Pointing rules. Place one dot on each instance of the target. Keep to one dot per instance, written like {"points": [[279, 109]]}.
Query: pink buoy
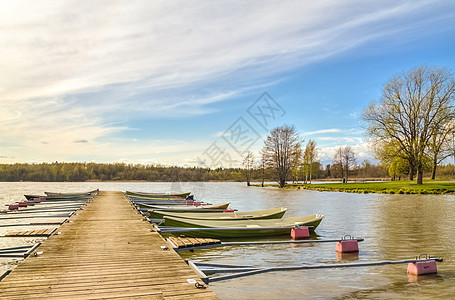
{"points": [[13, 206], [22, 204], [346, 245], [422, 266], [300, 233]]}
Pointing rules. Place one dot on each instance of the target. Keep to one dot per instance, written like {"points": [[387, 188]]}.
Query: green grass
{"points": [[386, 187]]}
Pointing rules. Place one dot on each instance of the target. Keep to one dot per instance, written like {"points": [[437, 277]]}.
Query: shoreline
{"points": [[387, 187]]}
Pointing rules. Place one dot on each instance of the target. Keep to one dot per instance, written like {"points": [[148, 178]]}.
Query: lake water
{"points": [[395, 227]]}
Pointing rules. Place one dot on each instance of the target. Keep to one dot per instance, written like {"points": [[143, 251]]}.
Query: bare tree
{"points": [[441, 146], [413, 107], [310, 156], [248, 164], [279, 147], [345, 158], [263, 165]]}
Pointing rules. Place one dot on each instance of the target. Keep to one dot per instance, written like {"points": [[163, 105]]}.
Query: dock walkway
{"points": [[106, 251]]}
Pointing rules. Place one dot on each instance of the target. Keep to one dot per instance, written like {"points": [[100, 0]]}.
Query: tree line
{"points": [[60, 172]]}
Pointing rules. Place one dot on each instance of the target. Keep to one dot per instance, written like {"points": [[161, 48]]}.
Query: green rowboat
{"points": [[272, 213], [240, 228], [158, 195], [185, 208], [83, 194]]}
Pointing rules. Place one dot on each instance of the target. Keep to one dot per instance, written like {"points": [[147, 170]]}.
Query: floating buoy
{"points": [[422, 266], [22, 204], [13, 206], [347, 244], [300, 233]]}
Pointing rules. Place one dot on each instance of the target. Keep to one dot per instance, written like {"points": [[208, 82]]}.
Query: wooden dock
{"points": [[105, 251]]}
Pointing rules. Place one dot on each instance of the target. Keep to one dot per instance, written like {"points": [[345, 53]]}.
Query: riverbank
{"points": [[388, 187]]}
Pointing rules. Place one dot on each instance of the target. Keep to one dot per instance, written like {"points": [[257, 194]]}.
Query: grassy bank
{"points": [[388, 187]]}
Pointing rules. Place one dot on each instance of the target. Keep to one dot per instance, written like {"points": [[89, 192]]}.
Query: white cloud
{"points": [[361, 152], [323, 131]]}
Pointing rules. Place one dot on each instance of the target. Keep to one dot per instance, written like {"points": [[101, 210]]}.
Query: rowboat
{"points": [[57, 194], [158, 195], [164, 201], [29, 197], [185, 208], [241, 228], [159, 202], [155, 198], [272, 213]]}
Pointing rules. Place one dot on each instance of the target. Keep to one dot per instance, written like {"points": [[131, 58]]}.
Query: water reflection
{"points": [[422, 278], [415, 224], [347, 257]]}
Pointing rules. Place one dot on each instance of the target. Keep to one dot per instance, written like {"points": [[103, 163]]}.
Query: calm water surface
{"points": [[395, 227]]}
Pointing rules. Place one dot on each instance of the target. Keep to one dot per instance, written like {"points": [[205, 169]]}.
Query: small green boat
{"points": [[185, 208], [82, 194], [29, 197], [158, 195], [151, 198], [240, 228], [272, 213], [161, 201]]}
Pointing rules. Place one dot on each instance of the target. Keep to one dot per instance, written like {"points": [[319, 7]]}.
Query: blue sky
{"points": [[167, 81]]}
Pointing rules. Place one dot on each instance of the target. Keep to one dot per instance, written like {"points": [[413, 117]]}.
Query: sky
{"points": [[198, 83]]}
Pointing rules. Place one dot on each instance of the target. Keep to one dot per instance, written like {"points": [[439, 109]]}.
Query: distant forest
{"points": [[124, 172], [112, 172]]}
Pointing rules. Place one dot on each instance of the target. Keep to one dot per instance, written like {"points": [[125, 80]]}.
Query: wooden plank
{"points": [[185, 241], [29, 233], [103, 255]]}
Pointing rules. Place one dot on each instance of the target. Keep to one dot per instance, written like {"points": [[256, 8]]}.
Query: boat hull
{"points": [[237, 233], [276, 213]]}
